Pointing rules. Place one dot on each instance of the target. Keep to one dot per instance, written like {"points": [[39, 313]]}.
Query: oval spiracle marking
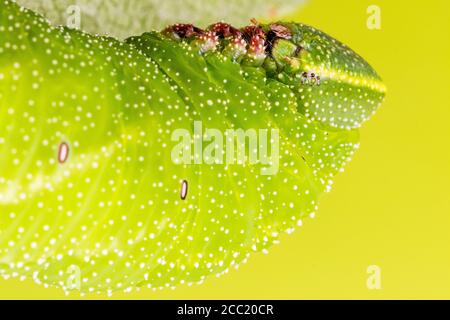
{"points": [[63, 152], [184, 190]]}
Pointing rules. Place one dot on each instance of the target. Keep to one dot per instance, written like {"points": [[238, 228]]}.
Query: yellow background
{"points": [[391, 207]]}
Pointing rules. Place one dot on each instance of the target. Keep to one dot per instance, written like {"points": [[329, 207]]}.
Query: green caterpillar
{"points": [[90, 197]]}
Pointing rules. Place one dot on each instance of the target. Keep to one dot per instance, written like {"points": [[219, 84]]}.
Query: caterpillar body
{"points": [[86, 123]]}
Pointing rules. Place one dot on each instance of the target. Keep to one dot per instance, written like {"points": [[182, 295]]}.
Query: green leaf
{"points": [[122, 19]]}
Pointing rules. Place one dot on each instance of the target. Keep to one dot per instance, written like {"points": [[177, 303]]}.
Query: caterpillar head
{"points": [[334, 85]]}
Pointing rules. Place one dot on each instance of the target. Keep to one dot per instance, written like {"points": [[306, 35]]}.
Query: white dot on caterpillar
{"points": [[63, 152], [184, 189]]}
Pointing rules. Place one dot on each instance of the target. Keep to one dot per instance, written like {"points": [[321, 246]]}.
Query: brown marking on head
{"points": [[183, 30], [276, 31], [280, 31], [250, 32], [224, 30]]}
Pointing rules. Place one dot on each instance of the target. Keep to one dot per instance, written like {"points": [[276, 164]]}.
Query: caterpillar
{"points": [[91, 199]]}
